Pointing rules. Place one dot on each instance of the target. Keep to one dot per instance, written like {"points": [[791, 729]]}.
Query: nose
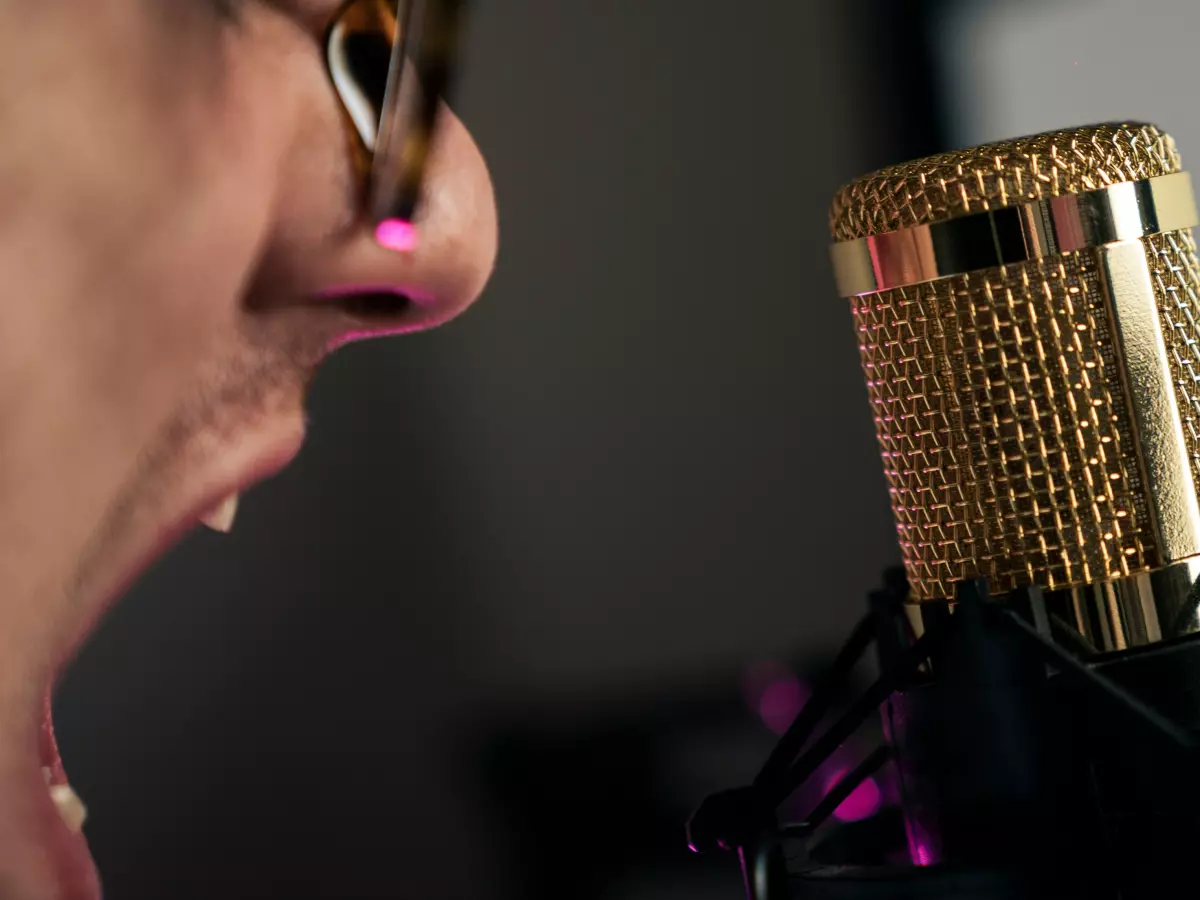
{"points": [[325, 248], [321, 245], [456, 239]]}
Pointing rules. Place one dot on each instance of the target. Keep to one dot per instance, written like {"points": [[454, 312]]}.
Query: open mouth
{"points": [[50, 814], [62, 833], [220, 465]]}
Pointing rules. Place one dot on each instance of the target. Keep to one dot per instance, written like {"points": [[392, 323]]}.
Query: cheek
{"points": [[147, 364], [318, 195], [319, 191], [282, 131]]}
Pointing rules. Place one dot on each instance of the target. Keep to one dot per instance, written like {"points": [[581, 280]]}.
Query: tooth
{"points": [[70, 807], [220, 518]]}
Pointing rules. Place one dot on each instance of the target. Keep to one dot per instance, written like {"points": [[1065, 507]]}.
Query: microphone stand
{"points": [[987, 720]]}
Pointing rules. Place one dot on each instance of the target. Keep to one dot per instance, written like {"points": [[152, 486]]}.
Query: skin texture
{"points": [[180, 227]]}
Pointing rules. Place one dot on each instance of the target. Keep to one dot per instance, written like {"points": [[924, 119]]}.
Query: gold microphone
{"points": [[1028, 315]]}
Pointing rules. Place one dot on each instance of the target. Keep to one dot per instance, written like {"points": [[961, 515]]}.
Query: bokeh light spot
{"points": [[864, 801]]}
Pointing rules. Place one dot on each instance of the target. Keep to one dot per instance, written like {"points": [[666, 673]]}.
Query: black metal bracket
{"points": [[744, 820]]}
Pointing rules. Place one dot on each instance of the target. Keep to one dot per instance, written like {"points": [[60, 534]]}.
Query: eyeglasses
{"points": [[391, 63]]}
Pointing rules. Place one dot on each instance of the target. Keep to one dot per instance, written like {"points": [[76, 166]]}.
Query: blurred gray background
{"points": [[488, 637]]}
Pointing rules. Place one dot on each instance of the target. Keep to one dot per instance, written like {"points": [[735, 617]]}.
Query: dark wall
{"points": [[644, 461], [667, 453]]}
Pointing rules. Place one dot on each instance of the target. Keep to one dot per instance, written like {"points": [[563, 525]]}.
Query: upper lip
{"points": [[245, 463]]}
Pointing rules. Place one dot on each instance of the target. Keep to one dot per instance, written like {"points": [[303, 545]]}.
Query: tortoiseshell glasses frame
{"points": [[392, 62]]}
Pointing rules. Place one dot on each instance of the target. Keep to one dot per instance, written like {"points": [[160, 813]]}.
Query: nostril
{"points": [[376, 306]]}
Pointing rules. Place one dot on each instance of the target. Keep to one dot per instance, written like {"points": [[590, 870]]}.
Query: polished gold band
{"points": [[1131, 612], [1128, 613], [1015, 234]]}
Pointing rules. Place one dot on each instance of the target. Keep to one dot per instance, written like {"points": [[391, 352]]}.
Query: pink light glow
{"points": [[773, 691], [864, 801], [921, 849], [398, 235], [780, 703]]}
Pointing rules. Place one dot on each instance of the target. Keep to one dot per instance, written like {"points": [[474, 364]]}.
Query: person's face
{"points": [[181, 240]]}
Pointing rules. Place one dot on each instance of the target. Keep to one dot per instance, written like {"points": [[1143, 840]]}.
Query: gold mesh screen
{"points": [[1006, 443], [1176, 278], [998, 175]]}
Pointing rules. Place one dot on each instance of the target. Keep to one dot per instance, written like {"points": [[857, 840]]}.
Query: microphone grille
{"points": [[997, 175], [1012, 444]]}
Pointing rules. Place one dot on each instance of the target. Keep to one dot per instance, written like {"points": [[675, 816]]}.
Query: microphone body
{"points": [[1028, 317], [1030, 333]]}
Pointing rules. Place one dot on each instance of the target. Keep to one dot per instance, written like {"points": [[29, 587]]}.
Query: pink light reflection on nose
{"points": [[864, 801], [396, 234]]}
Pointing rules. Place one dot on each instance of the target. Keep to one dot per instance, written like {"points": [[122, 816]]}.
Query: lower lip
{"points": [[67, 850], [50, 758]]}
